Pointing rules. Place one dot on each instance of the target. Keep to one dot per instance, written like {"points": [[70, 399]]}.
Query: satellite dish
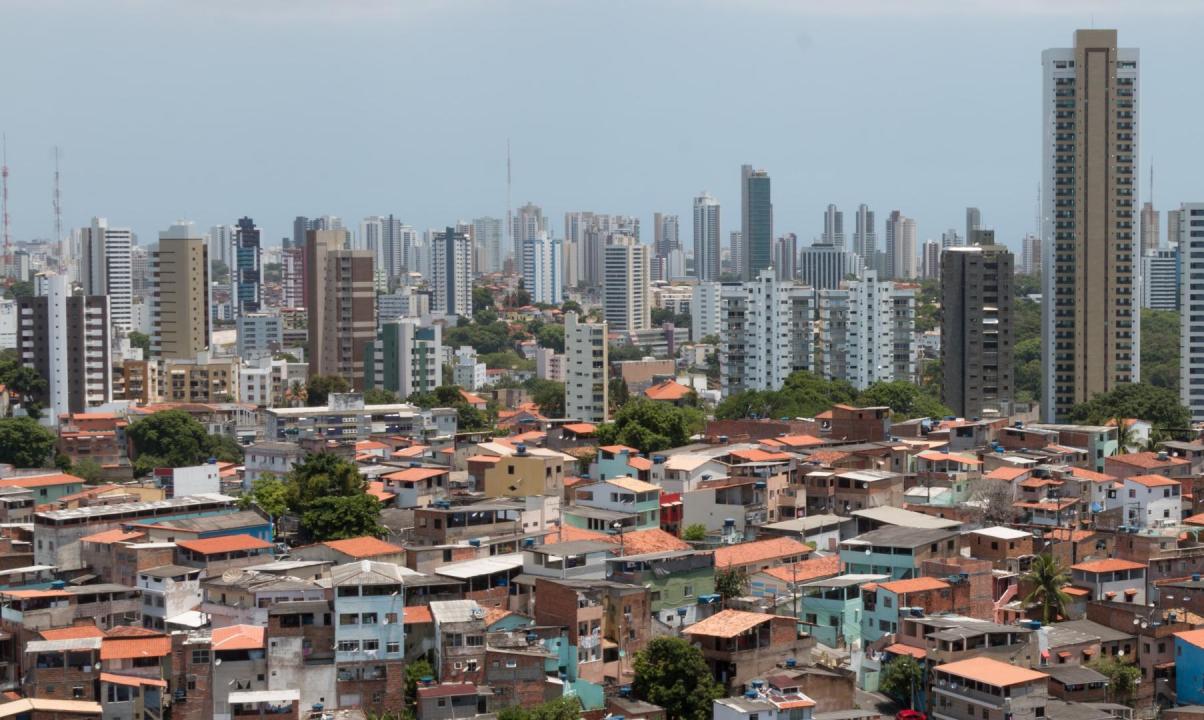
{"points": [[217, 661], [230, 576]]}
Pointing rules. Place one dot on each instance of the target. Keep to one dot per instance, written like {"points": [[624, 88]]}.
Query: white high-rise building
{"points": [[625, 297], [867, 332], [106, 269], [706, 237], [823, 266], [900, 246], [765, 332], [587, 370], [542, 265], [467, 371], [1191, 308], [221, 244], [529, 221], [865, 239], [1030, 255], [451, 265], [666, 239], [833, 228], [950, 239], [1160, 279], [487, 235], [705, 304]]}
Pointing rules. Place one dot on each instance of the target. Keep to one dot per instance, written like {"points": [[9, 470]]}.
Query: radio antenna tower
{"points": [[8, 239], [58, 208], [509, 211]]}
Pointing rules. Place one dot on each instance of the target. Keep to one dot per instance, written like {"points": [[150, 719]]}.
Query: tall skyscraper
{"points": [[247, 268], [1160, 279], [1173, 228], [1149, 228], [542, 265], [65, 338], [865, 240], [867, 332], [1091, 327], [950, 239], [785, 257], [833, 227], [181, 315], [1030, 255], [735, 249], [341, 306], [765, 333], [706, 237], [665, 239], [292, 275], [106, 268], [221, 245], [930, 263], [625, 297], [487, 234], [824, 266], [451, 268], [976, 330], [529, 221], [1191, 308], [900, 246], [587, 370], [973, 221], [756, 222]]}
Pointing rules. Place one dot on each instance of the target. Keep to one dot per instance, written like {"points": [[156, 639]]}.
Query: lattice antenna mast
{"points": [[58, 207], [8, 238]]}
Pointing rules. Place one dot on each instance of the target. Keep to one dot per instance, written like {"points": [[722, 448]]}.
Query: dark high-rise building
{"points": [[756, 222], [976, 328], [248, 272], [341, 305]]}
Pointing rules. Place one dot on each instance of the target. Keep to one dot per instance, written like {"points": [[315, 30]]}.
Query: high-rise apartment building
{"points": [[706, 237], [542, 265], [66, 339], [1030, 255], [900, 246], [487, 234], [106, 268], [1191, 307], [833, 227], [292, 275], [823, 266], [340, 304], [756, 222], [529, 221], [973, 221], [735, 249], [976, 330], [666, 238], [705, 304], [247, 268], [865, 239], [867, 332], [950, 238], [451, 268], [1160, 279], [181, 314], [765, 333], [405, 358], [785, 257], [587, 370], [1091, 326], [625, 300], [1149, 228], [930, 260]]}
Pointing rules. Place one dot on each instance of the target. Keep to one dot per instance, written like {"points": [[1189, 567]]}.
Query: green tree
{"points": [[1159, 406], [24, 443], [140, 340], [619, 393], [88, 470], [1122, 678], [567, 707], [19, 289], [482, 299], [1160, 348], [904, 399], [173, 438], [618, 353], [380, 396], [696, 532], [319, 388], [272, 272], [1026, 358], [342, 517], [901, 678], [673, 674], [569, 306], [285, 356], [1025, 285], [1047, 579], [651, 426], [26, 382], [549, 396], [322, 475], [802, 395], [551, 337], [731, 583], [269, 494], [415, 672]]}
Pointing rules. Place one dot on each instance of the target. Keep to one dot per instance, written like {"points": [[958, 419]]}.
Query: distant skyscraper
{"points": [[824, 266], [785, 257], [106, 268], [666, 239], [542, 265], [528, 223], [976, 330], [865, 240], [1191, 308], [487, 234], [292, 275], [221, 245], [833, 227], [341, 306], [587, 370], [765, 333], [1149, 227], [451, 267], [900, 246], [1173, 228], [247, 268], [735, 248], [625, 295], [950, 239], [973, 221], [756, 222], [181, 315], [1030, 255], [1160, 279], [706, 237], [930, 265], [1091, 327]]}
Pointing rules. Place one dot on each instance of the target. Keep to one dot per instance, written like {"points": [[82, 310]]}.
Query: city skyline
{"points": [[295, 158]]}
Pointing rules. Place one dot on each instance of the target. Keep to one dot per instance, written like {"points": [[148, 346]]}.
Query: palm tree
{"points": [[296, 394], [1047, 578]]}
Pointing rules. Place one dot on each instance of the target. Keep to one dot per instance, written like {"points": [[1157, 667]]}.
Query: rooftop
{"points": [[759, 551], [904, 518], [1108, 565], [919, 584], [238, 637], [728, 623], [895, 536], [363, 547], [992, 672], [135, 508], [224, 544]]}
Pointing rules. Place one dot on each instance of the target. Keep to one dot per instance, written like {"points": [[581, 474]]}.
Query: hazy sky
{"points": [[217, 109]]}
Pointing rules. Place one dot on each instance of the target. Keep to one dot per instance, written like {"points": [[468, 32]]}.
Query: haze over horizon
{"points": [[213, 111]]}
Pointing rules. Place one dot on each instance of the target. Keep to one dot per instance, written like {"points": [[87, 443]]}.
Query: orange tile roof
{"points": [[1192, 637], [130, 680], [1093, 476], [418, 474], [669, 390], [224, 544], [493, 614], [1039, 482], [1194, 520], [132, 648], [411, 452], [568, 533], [472, 398], [1108, 565], [72, 633], [1008, 473], [363, 547], [800, 440], [827, 457], [618, 449], [1051, 505], [115, 535], [651, 540], [755, 455], [581, 428], [936, 456], [919, 584], [758, 550], [1145, 460], [901, 649], [377, 490], [728, 623], [992, 672], [807, 570], [362, 445], [639, 463], [484, 458], [32, 481], [1071, 590], [128, 631], [416, 615], [1064, 534], [31, 594], [1152, 481], [238, 637]]}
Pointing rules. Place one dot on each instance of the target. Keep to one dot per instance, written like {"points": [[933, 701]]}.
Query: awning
{"points": [[1130, 591], [1064, 654], [268, 696]]}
